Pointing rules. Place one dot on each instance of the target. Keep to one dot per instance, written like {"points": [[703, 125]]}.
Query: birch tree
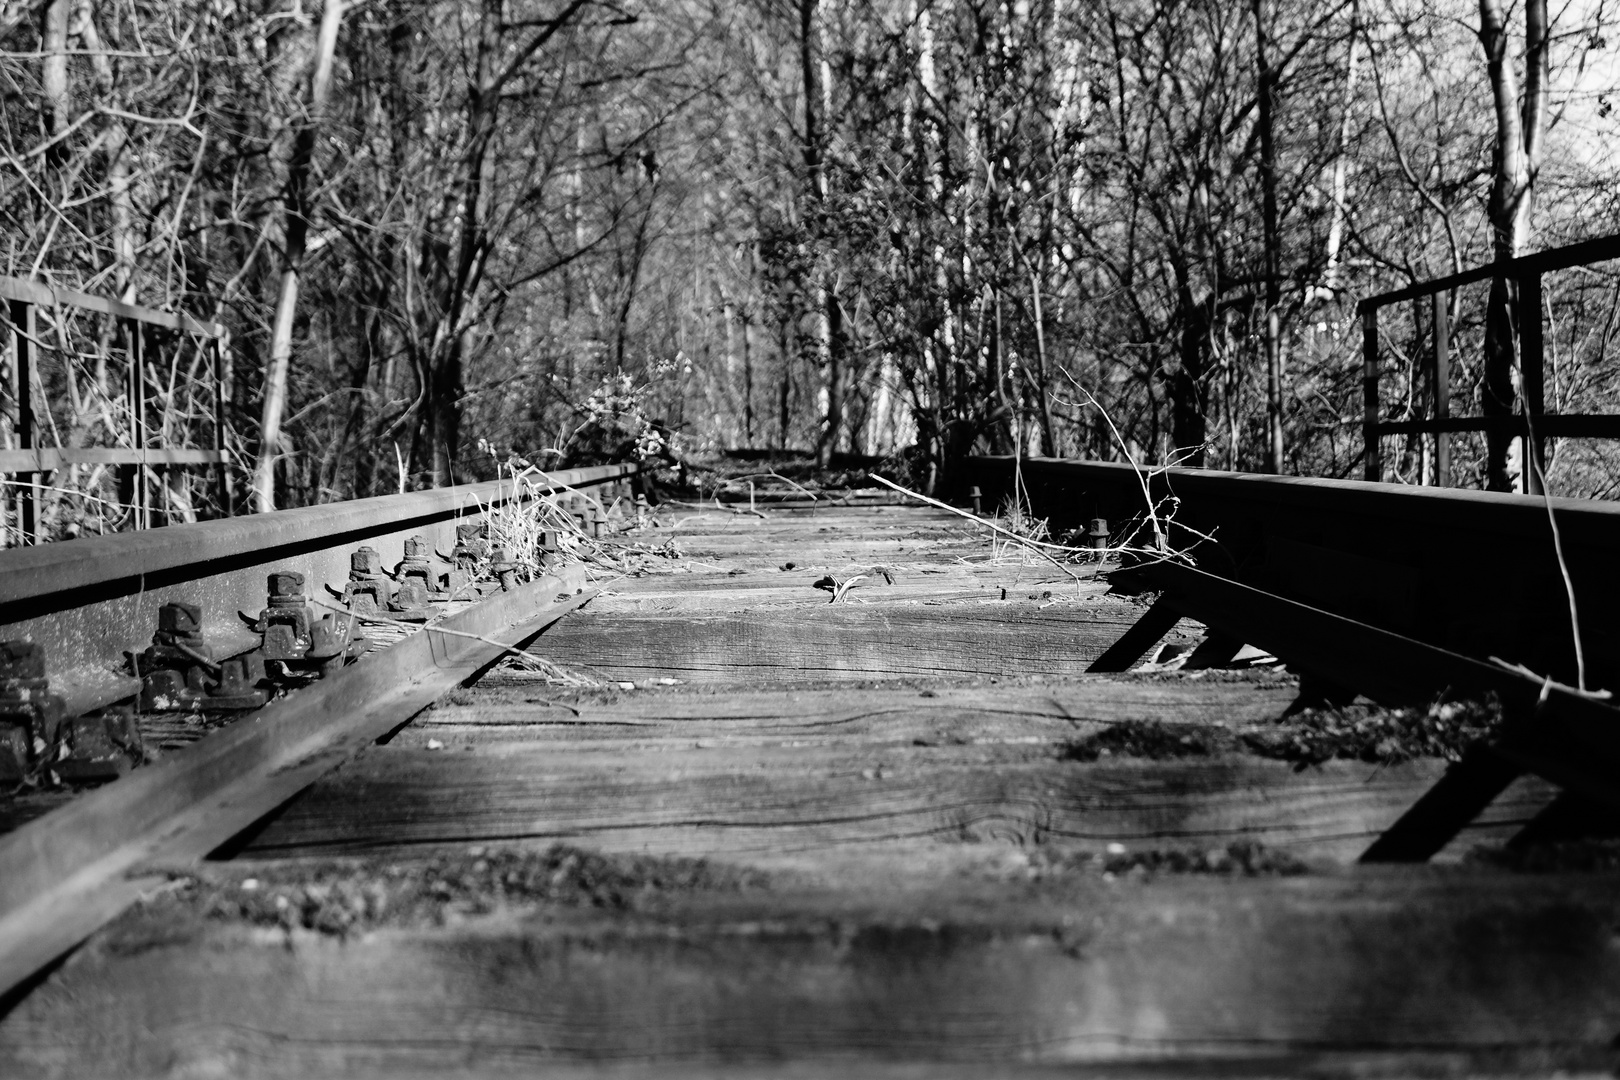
{"points": [[295, 235], [1520, 132]]}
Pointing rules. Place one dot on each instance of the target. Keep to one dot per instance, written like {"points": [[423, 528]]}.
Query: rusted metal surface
{"points": [[1599, 249], [1424, 562], [92, 601], [1496, 516], [1533, 427], [67, 873]]}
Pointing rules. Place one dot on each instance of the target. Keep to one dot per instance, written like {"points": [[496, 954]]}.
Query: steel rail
{"points": [[1404, 594], [1454, 508], [92, 600], [1470, 571], [66, 874]]}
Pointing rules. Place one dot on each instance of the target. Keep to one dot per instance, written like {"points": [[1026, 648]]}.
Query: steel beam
{"points": [[92, 600], [66, 874]]}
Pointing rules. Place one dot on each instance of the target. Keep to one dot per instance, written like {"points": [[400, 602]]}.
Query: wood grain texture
{"points": [[841, 641], [753, 802], [750, 592], [1048, 712], [1456, 966], [923, 913]]}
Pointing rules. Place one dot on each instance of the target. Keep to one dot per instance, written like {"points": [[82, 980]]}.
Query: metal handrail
{"points": [[1532, 426], [30, 461]]}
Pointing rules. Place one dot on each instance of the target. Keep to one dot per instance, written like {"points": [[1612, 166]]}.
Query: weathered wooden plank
{"points": [[745, 554], [914, 583], [758, 801], [807, 519], [1044, 713], [843, 641], [1464, 968]]}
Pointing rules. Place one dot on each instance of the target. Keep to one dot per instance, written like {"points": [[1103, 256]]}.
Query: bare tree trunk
{"points": [[297, 232], [1341, 160], [1517, 158], [122, 202], [830, 322], [1273, 244], [53, 75], [748, 383]]}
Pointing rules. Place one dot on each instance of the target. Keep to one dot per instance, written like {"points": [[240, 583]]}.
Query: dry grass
{"points": [[518, 527], [527, 666]]}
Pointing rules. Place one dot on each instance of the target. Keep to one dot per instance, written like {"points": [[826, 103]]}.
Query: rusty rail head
{"points": [[1475, 572], [89, 601], [50, 576], [1351, 505]]}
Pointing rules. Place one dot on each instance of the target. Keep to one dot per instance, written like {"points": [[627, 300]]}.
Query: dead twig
{"points": [[1037, 546]]}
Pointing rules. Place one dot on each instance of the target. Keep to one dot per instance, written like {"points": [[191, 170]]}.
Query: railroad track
{"points": [[850, 794], [109, 636]]}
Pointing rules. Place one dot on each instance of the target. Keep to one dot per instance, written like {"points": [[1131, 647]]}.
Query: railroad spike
{"points": [[505, 570], [1098, 534], [179, 672], [37, 736], [31, 717], [285, 620], [416, 595], [470, 553], [295, 638], [369, 589]]}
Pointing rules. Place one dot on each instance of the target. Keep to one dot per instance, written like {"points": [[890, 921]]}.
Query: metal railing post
{"points": [[222, 470], [1441, 324], [1372, 464], [23, 336], [137, 425]]}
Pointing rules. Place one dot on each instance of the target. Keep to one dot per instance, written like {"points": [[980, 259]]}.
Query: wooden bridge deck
{"points": [[838, 839]]}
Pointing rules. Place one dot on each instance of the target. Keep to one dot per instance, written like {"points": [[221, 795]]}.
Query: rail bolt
{"points": [[238, 682], [367, 562], [415, 566], [31, 717], [504, 569], [417, 587], [471, 547], [286, 618], [286, 587], [179, 621]]}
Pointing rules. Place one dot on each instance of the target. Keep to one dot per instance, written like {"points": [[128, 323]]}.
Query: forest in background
{"points": [[444, 232]]}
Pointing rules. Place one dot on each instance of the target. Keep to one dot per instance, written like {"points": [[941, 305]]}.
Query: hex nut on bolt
{"points": [[367, 562], [286, 585]]}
